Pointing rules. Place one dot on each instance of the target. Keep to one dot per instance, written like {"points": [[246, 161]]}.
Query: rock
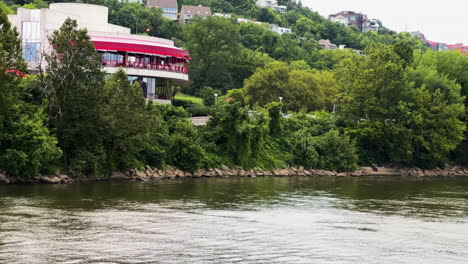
{"points": [[198, 174], [14, 180], [259, 172], [148, 171], [211, 173], [283, 172], [64, 178], [4, 179], [119, 176], [50, 180], [219, 172], [157, 173], [141, 174]]}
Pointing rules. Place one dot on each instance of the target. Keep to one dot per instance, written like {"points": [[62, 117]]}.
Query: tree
{"points": [[245, 64], [267, 84], [267, 15], [72, 85], [410, 116], [208, 95], [26, 146], [299, 86], [125, 118], [213, 44], [241, 137]]}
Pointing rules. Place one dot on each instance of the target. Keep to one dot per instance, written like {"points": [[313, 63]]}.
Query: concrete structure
{"points": [[272, 27], [155, 63], [283, 30], [187, 13], [327, 45], [169, 7], [222, 15], [372, 25], [273, 4]]}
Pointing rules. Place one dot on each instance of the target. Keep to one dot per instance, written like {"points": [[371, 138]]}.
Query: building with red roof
{"points": [[156, 63]]}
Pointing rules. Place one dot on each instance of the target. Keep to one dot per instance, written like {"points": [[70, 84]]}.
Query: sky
{"points": [[441, 21]]}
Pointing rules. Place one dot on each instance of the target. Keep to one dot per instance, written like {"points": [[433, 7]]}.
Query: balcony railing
{"points": [[147, 66]]}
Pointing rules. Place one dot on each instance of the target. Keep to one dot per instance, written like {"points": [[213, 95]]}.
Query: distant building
{"points": [[169, 7], [272, 27], [222, 15], [282, 30], [438, 46], [372, 25], [187, 13], [327, 45], [273, 4], [350, 18]]}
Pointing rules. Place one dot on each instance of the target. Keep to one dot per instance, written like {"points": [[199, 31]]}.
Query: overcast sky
{"points": [[441, 21]]}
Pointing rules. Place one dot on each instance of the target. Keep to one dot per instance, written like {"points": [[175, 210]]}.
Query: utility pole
{"points": [[136, 25]]}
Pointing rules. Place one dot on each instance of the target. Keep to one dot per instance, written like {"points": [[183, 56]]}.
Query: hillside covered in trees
{"points": [[397, 104]]}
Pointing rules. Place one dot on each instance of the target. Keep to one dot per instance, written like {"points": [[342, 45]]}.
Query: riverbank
{"points": [[152, 174]]}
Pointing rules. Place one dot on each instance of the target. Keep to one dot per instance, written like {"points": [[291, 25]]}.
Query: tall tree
{"points": [[26, 146], [126, 121], [400, 115], [213, 44], [73, 84]]}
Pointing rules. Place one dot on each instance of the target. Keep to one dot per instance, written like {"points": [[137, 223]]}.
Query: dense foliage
{"points": [[26, 145], [281, 100]]}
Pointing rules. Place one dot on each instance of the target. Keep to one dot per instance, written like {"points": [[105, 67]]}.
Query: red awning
{"points": [[141, 48]]}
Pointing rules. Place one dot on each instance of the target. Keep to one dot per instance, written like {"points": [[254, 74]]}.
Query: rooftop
{"points": [[162, 3], [198, 10]]}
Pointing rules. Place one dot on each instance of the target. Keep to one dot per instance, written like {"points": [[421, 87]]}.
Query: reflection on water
{"points": [[244, 220]]}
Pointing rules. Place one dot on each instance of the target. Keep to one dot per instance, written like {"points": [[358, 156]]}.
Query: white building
{"points": [[222, 15], [272, 27], [154, 62], [283, 30], [273, 4]]}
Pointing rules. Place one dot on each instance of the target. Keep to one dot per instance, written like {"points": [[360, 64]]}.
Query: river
{"points": [[238, 220]]}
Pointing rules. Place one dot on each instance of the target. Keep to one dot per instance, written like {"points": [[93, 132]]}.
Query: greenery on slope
{"points": [[399, 104]]}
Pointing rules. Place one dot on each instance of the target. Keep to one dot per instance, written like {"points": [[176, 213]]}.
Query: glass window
{"points": [[170, 15], [31, 51], [170, 9], [31, 31]]}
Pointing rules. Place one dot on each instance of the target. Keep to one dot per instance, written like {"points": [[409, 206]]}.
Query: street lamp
{"points": [[216, 98], [281, 100]]}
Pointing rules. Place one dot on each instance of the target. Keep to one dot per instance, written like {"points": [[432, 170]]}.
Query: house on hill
{"points": [[187, 13], [169, 7]]}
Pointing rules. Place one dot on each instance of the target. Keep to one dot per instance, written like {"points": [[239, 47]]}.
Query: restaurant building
{"points": [[155, 63]]}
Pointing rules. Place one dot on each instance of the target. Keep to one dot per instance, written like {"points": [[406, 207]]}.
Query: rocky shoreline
{"points": [[151, 174]]}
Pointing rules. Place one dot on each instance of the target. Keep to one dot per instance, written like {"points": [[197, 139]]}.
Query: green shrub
{"points": [[330, 151], [181, 102], [198, 110]]}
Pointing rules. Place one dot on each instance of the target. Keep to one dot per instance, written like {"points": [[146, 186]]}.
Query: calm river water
{"points": [[239, 220]]}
